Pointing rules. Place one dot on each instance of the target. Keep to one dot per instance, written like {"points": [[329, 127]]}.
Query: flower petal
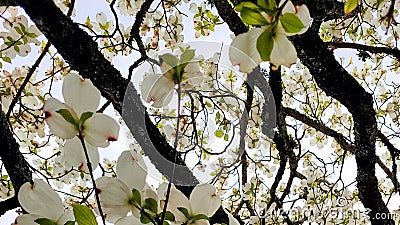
{"points": [[80, 94], [128, 220], [27, 219], [68, 215], [176, 199], [204, 200], [243, 50], [100, 129], [40, 199], [301, 12], [75, 157], [157, 90], [289, 7], [57, 124], [132, 170], [232, 220], [283, 53], [114, 197], [304, 15]]}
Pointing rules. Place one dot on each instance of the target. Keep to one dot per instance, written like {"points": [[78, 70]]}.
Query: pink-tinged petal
{"points": [[80, 94], [283, 53], [204, 200], [114, 197], [301, 12], [132, 170], [75, 157], [128, 220], [100, 129], [57, 124], [157, 90], [176, 199], [243, 50], [27, 219], [40, 199]]}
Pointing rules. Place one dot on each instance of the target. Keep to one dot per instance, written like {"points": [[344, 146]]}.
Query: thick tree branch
{"points": [[8, 204], [8, 3], [82, 53], [372, 49], [333, 79], [14, 162]]}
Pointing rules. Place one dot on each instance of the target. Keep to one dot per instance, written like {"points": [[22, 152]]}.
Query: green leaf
{"points": [[31, 35], [291, 23], [84, 215], [151, 205], [199, 217], [6, 59], [45, 221], [350, 5], [19, 31], [248, 5], [218, 133], [184, 211], [265, 44], [187, 56], [252, 17], [169, 59], [66, 114], [169, 216], [69, 223], [267, 4], [144, 218], [226, 137], [136, 197], [85, 116], [218, 116]]}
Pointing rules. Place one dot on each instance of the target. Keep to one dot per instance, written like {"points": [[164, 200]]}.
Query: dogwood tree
{"points": [[211, 112]]}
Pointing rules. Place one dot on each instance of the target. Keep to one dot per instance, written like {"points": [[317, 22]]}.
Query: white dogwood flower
{"points": [[78, 113], [270, 42], [42, 202]]}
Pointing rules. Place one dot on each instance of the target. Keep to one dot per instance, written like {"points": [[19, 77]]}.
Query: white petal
{"points": [[57, 124], [204, 200], [289, 7], [80, 94], [128, 220], [40, 199], [27, 219], [114, 197], [176, 199], [304, 15], [157, 89], [232, 220], [131, 169], [243, 50], [68, 215], [100, 129], [75, 157], [283, 53], [201, 222]]}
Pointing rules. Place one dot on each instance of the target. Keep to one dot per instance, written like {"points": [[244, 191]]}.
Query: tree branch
{"points": [[372, 49], [14, 162], [82, 53]]}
